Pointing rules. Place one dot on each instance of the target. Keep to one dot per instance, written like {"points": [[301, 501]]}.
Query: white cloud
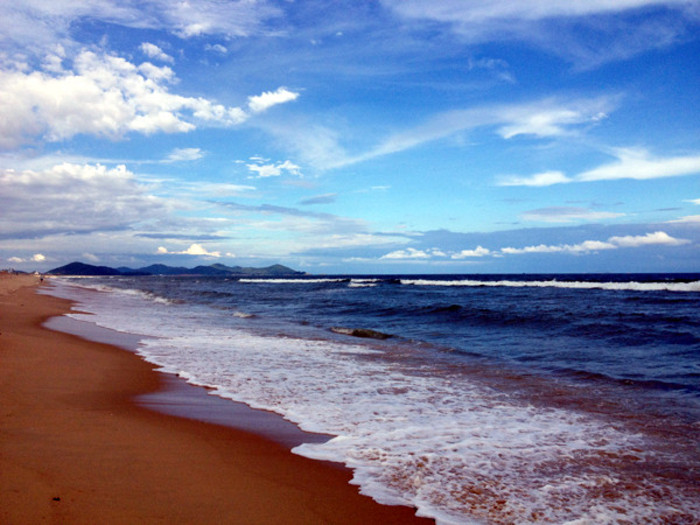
{"points": [[408, 253], [550, 117], [552, 24], [35, 23], [481, 11], [104, 95], [194, 249], [218, 48], [658, 238], [688, 219], [479, 251], [638, 164], [567, 214], [634, 241], [153, 51], [274, 169], [545, 123], [73, 198], [184, 155], [267, 99], [37, 257], [635, 164], [546, 178], [586, 246]]}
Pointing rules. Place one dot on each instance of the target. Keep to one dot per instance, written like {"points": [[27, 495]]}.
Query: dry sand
{"points": [[75, 448]]}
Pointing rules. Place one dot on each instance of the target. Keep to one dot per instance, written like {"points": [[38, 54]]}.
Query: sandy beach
{"points": [[75, 447]]}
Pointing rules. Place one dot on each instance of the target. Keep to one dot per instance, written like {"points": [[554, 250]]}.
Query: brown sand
{"points": [[75, 449]]}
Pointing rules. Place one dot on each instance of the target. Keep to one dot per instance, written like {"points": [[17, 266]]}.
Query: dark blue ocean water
{"points": [[616, 357], [632, 334]]}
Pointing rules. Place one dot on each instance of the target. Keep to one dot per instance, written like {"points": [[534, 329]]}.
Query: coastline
{"points": [[76, 446]]}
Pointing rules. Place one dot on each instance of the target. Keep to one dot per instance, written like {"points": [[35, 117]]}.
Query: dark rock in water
{"points": [[360, 332]]}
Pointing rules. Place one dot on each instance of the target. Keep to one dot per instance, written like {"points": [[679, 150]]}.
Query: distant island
{"points": [[214, 270]]}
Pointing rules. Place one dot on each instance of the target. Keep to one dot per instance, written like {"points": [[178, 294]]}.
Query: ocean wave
{"points": [[105, 288], [363, 283], [292, 281], [654, 286]]}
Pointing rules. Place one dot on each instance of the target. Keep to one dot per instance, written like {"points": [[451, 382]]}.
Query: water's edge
{"points": [[179, 398]]}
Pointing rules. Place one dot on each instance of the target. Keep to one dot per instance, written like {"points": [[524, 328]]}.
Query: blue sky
{"points": [[386, 136]]}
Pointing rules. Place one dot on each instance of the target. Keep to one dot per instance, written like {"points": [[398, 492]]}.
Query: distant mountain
{"points": [[79, 268], [162, 269]]}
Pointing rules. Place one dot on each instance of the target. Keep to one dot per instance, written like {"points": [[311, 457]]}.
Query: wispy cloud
{"points": [[638, 164], [35, 24], [327, 198], [567, 214], [635, 164], [546, 178], [555, 26], [184, 155], [547, 118]]}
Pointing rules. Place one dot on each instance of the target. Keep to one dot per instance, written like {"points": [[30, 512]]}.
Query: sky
{"points": [[384, 136]]}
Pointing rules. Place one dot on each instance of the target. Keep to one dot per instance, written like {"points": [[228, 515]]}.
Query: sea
{"points": [[476, 399]]}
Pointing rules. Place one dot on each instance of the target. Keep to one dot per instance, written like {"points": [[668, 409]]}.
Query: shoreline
{"points": [[76, 445], [177, 397]]}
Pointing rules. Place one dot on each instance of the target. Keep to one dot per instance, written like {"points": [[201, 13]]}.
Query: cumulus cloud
{"points": [[267, 99], [153, 51], [658, 238], [194, 249], [103, 95], [408, 253], [479, 251], [37, 257], [262, 170], [591, 246], [73, 198], [567, 214], [634, 241]]}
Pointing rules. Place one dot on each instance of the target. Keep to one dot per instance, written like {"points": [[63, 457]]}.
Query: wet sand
{"points": [[75, 447]]}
